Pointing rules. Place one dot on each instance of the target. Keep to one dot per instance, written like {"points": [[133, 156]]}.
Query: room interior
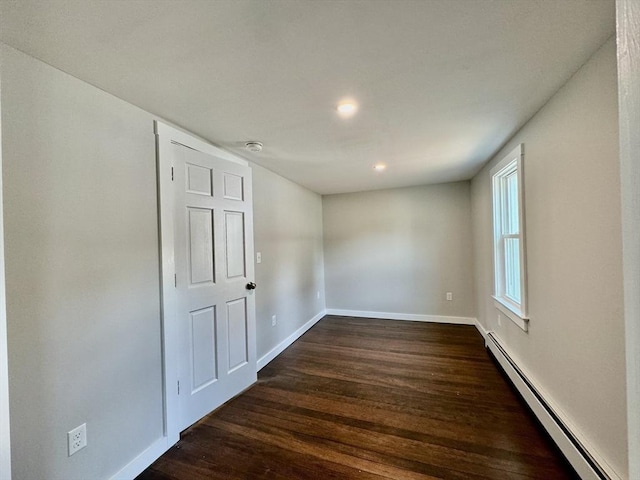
{"points": [[443, 89]]}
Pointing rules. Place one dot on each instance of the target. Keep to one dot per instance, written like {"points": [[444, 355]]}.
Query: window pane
{"points": [[512, 269], [511, 224]]}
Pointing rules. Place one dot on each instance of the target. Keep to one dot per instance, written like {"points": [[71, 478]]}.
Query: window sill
{"points": [[516, 316]]}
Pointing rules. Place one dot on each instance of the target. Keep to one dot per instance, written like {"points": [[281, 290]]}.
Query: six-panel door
{"points": [[213, 259]]}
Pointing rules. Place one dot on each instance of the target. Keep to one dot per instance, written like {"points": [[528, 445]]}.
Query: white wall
{"points": [[628, 19], [400, 250], [288, 233], [82, 273], [574, 349]]}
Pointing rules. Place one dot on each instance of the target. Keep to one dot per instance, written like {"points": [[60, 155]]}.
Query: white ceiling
{"points": [[441, 84]]}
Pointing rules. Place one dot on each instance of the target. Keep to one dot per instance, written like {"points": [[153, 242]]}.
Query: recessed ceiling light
{"points": [[253, 146], [347, 108], [379, 167]]}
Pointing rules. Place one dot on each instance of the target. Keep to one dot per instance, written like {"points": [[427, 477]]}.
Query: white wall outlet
{"points": [[318, 294], [77, 438], [449, 296], [258, 257], [274, 320]]}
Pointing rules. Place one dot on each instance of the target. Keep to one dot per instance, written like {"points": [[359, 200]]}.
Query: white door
{"points": [[213, 248]]}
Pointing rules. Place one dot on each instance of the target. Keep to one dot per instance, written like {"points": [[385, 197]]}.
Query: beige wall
{"points": [[400, 250], [82, 273], [574, 350], [288, 233]]}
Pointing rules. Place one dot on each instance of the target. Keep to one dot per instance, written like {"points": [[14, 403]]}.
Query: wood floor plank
{"points": [[371, 399]]}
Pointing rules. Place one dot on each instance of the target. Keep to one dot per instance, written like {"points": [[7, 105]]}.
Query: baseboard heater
{"points": [[577, 455]]}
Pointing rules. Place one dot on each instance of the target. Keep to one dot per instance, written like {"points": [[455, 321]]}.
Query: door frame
{"points": [[167, 135], [628, 28], [5, 434]]}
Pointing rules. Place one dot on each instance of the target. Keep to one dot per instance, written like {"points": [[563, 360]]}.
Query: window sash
{"points": [[512, 280], [510, 204]]}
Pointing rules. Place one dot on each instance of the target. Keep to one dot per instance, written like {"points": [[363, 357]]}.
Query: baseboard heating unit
{"points": [[575, 452]]}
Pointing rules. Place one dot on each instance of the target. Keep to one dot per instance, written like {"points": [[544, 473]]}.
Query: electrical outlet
{"points": [[449, 296], [77, 438], [258, 257], [274, 320], [318, 294]]}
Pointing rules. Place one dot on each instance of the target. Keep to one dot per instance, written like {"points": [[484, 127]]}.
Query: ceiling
{"points": [[441, 84]]}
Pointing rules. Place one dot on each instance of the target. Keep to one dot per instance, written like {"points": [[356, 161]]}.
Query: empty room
{"points": [[330, 239]]}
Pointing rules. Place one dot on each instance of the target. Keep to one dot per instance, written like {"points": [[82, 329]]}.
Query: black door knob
{"points": [[251, 286]]}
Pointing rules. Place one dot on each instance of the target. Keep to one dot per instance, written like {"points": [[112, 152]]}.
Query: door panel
{"points": [[235, 244], [213, 247], [233, 187], [237, 328], [203, 340], [201, 247], [199, 180]]}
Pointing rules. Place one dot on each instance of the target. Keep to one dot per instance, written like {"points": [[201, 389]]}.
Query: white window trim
{"points": [[517, 313], [5, 437]]}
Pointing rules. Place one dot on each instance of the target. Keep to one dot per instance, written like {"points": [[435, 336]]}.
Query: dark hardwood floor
{"points": [[371, 399]]}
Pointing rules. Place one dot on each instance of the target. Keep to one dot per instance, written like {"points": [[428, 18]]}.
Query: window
{"points": [[510, 273]]}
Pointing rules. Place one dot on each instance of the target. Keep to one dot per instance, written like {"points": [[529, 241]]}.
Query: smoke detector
{"points": [[253, 146]]}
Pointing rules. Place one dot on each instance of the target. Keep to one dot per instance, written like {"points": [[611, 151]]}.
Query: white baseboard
{"points": [[403, 316], [278, 349], [581, 455], [483, 331], [136, 466]]}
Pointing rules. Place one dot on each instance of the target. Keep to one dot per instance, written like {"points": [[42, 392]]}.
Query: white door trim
{"points": [[167, 135], [628, 23], [5, 437]]}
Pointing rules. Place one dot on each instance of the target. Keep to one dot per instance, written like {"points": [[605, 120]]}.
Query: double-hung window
{"points": [[510, 272]]}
